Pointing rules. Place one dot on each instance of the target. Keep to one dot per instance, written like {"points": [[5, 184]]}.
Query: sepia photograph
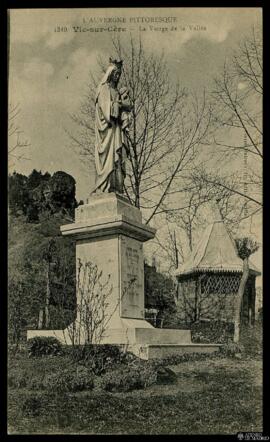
{"points": [[135, 199]]}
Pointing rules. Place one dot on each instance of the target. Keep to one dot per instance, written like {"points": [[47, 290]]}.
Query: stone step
{"points": [[159, 336], [147, 336]]}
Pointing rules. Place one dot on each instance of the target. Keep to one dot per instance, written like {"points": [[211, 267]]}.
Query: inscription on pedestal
{"points": [[132, 280]]}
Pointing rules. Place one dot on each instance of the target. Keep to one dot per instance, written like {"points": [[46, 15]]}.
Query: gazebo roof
{"points": [[216, 252]]}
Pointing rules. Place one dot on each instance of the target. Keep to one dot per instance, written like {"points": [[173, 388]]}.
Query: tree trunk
{"points": [[253, 298], [190, 237], [175, 251], [239, 299], [249, 316], [197, 297], [47, 300], [40, 319]]}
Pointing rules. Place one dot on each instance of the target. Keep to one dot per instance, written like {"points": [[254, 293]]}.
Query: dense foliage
{"points": [[129, 378], [232, 349], [211, 394], [76, 379], [43, 346], [159, 292], [39, 193], [246, 247], [41, 263], [218, 332], [98, 358]]}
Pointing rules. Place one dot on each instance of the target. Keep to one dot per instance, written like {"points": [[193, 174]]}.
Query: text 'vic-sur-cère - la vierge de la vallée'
{"points": [[123, 24]]}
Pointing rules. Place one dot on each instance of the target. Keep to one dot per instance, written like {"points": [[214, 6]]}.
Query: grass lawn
{"points": [[212, 396]]}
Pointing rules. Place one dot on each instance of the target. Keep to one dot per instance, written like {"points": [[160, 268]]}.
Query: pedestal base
{"points": [[144, 343]]}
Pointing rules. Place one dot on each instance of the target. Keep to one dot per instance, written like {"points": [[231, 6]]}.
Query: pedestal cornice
{"points": [[108, 214], [108, 226]]}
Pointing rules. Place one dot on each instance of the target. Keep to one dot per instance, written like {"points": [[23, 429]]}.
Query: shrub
{"points": [[43, 346], [165, 376], [130, 359], [31, 406], [217, 332], [129, 378], [232, 349], [185, 357], [98, 358], [76, 379], [251, 339]]}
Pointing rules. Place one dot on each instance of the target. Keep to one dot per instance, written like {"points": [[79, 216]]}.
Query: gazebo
{"points": [[209, 280]]}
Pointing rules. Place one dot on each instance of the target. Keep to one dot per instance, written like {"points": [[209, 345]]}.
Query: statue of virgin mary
{"points": [[110, 132]]}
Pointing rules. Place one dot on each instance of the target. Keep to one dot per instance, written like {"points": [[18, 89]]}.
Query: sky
{"points": [[49, 66], [49, 70]]}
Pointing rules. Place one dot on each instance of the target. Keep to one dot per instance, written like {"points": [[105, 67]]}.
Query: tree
{"points": [[16, 143], [34, 179], [61, 193], [41, 194], [189, 216], [47, 255], [200, 201], [62, 303], [34, 183], [92, 304], [169, 245], [95, 306], [34, 283], [168, 125], [246, 247], [238, 114], [236, 104], [25, 292], [53, 194], [23, 194], [205, 188], [227, 189], [18, 194], [16, 310], [159, 292]]}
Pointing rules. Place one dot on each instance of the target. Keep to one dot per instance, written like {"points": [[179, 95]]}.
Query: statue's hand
{"points": [[126, 104]]}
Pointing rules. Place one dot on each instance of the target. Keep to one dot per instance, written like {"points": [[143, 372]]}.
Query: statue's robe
{"points": [[109, 136]]}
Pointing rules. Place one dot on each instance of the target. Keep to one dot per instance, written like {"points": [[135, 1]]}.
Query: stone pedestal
{"points": [[109, 233]]}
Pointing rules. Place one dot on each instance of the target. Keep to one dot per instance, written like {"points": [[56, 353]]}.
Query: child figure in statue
{"points": [[125, 115]]}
